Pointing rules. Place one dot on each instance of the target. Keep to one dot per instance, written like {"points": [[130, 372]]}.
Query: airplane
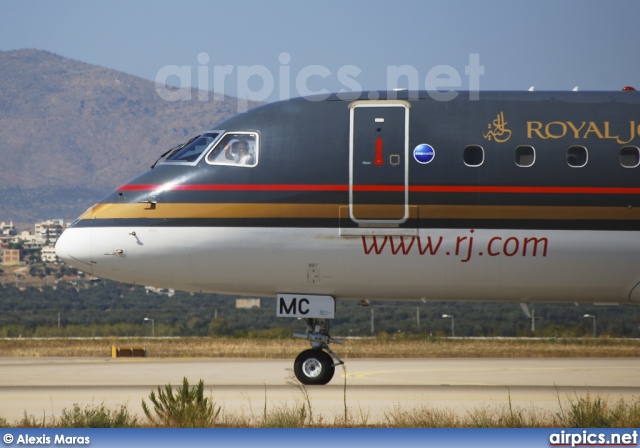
{"points": [[519, 196]]}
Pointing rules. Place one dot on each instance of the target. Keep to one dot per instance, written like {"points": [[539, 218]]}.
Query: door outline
{"points": [[381, 103]]}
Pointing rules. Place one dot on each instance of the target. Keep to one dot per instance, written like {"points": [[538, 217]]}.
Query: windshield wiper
{"points": [[173, 150]]}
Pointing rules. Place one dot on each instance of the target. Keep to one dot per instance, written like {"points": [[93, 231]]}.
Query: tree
{"points": [[220, 327]]}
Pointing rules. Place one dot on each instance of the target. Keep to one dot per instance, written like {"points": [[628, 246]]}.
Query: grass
{"points": [[581, 412], [596, 412], [91, 416], [382, 347]]}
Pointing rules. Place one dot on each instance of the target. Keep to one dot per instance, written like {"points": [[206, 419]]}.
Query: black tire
{"points": [[314, 367]]}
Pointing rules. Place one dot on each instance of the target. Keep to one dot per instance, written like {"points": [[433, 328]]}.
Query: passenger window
{"points": [[473, 155], [630, 157], [525, 156], [577, 156], [236, 149]]}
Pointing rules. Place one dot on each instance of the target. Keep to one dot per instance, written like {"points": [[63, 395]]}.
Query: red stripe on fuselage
{"points": [[234, 187], [515, 189]]}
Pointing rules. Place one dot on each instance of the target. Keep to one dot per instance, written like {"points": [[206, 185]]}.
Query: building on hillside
{"points": [[247, 303], [48, 254], [7, 230], [72, 279], [166, 292], [11, 257], [48, 232], [28, 240]]}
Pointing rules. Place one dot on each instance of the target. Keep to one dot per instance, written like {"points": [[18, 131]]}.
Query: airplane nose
{"points": [[74, 248]]}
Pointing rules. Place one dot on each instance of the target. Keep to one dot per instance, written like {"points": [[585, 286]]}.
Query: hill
{"points": [[70, 132]]}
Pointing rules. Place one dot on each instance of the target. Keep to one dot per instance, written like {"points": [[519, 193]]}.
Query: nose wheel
{"points": [[314, 367]]}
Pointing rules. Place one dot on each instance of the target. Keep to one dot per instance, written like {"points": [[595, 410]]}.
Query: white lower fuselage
{"points": [[435, 264]]}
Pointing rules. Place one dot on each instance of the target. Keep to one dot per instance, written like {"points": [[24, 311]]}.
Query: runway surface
{"points": [[43, 387]]}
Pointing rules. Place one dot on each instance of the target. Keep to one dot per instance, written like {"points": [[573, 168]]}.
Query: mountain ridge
{"points": [[71, 132]]}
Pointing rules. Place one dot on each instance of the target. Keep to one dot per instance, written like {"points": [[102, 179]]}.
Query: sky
{"points": [[275, 49]]}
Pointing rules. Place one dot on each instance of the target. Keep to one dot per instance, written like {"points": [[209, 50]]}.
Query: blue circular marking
{"points": [[424, 153]]}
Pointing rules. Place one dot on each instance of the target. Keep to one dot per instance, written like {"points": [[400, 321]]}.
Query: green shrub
{"points": [[587, 412], [188, 408], [29, 421], [96, 417], [286, 417]]}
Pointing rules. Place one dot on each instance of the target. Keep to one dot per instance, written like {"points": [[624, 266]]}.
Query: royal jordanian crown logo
{"points": [[498, 130]]}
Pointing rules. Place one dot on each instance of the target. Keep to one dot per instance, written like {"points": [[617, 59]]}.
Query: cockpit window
{"points": [[236, 149], [192, 149]]}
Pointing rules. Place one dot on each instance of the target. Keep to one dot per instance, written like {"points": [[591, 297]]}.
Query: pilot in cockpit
{"points": [[238, 151]]}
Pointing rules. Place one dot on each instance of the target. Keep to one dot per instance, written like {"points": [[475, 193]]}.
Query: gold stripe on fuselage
{"points": [[327, 211]]}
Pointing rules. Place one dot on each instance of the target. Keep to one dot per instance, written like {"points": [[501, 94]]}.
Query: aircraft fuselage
{"points": [[522, 197]]}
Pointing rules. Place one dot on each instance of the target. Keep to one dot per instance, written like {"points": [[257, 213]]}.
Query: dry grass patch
{"points": [[581, 412], [491, 348], [353, 348]]}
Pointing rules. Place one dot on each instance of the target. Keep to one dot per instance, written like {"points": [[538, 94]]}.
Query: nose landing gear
{"points": [[316, 366]]}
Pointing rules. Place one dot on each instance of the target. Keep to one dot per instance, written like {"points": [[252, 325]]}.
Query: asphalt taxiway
{"points": [[43, 387]]}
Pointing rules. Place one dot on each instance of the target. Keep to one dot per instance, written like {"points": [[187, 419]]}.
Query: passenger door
{"points": [[379, 169]]}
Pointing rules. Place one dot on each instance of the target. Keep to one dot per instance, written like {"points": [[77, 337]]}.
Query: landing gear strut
{"points": [[316, 366]]}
